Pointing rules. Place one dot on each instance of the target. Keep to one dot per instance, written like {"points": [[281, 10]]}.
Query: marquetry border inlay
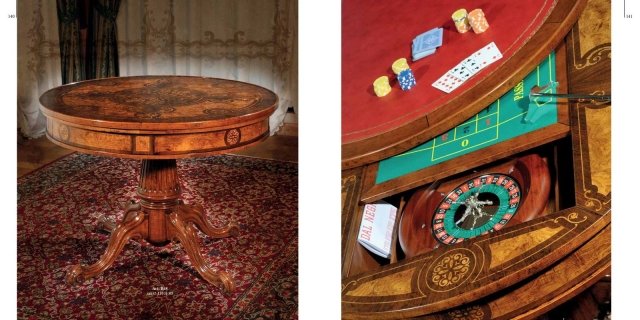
{"points": [[572, 218], [584, 56], [593, 199]]}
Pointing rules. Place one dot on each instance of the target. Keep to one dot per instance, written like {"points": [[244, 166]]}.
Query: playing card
{"points": [[461, 71], [423, 54], [426, 43], [428, 40], [472, 65], [447, 83], [487, 55]]}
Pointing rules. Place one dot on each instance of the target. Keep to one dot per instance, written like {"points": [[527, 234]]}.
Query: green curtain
{"points": [[70, 46], [102, 47]]}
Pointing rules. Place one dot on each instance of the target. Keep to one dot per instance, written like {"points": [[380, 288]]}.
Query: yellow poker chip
{"points": [[381, 86], [460, 20], [399, 65], [459, 15]]}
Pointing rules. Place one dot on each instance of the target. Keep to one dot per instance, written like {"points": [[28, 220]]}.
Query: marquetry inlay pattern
{"points": [[450, 270], [232, 137], [63, 132], [469, 313], [465, 270], [158, 99], [159, 117], [589, 47]]}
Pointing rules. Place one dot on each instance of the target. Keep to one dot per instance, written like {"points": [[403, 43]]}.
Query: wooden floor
{"points": [[35, 153]]}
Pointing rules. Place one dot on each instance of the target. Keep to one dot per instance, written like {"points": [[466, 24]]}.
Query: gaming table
{"points": [[158, 119], [426, 151], [375, 128]]}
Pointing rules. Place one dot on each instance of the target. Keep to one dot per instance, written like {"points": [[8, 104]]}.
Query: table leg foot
{"points": [[186, 234], [195, 214], [127, 229]]}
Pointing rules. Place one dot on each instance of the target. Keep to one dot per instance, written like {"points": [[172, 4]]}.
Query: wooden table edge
{"points": [[148, 127]]}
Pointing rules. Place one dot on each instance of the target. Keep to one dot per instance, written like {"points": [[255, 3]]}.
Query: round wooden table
{"points": [[158, 119]]}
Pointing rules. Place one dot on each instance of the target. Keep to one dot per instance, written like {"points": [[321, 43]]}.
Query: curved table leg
{"points": [[160, 217], [108, 224], [131, 226], [186, 234], [132, 207], [195, 214]]}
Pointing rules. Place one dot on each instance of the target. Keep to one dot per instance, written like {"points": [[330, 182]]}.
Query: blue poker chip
{"points": [[406, 79]]}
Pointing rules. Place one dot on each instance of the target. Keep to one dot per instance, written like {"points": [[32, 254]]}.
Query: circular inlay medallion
{"points": [[450, 270], [63, 132], [232, 137]]}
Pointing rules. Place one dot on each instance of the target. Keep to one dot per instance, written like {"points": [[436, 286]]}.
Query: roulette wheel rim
{"points": [[493, 198], [416, 229]]}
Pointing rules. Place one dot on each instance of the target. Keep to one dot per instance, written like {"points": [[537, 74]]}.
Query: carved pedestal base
{"points": [[159, 218]]}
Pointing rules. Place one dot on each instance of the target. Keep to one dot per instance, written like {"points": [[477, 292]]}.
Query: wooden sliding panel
{"points": [[454, 275]]}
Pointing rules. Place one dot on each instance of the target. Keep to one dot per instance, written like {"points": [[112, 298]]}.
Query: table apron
{"points": [[165, 145]]}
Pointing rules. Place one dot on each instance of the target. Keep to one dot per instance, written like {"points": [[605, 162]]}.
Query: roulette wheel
{"points": [[477, 203]]}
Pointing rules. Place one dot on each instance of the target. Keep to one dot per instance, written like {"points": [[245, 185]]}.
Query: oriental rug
{"points": [[60, 204]]}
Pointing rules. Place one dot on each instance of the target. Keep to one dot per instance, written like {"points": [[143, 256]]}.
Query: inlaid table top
{"points": [[157, 116]]}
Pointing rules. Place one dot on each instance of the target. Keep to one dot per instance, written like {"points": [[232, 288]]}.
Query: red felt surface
{"points": [[376, 33]]}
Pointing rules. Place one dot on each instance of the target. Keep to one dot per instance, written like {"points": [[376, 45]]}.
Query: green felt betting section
{"points": [[510, 116]]}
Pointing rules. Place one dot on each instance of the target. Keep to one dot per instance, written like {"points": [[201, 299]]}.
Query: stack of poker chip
{"points": [[405, 76], [426, 43], [381, 86], [399, 65], [406, 80], [460, 20], [477, 21]]}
